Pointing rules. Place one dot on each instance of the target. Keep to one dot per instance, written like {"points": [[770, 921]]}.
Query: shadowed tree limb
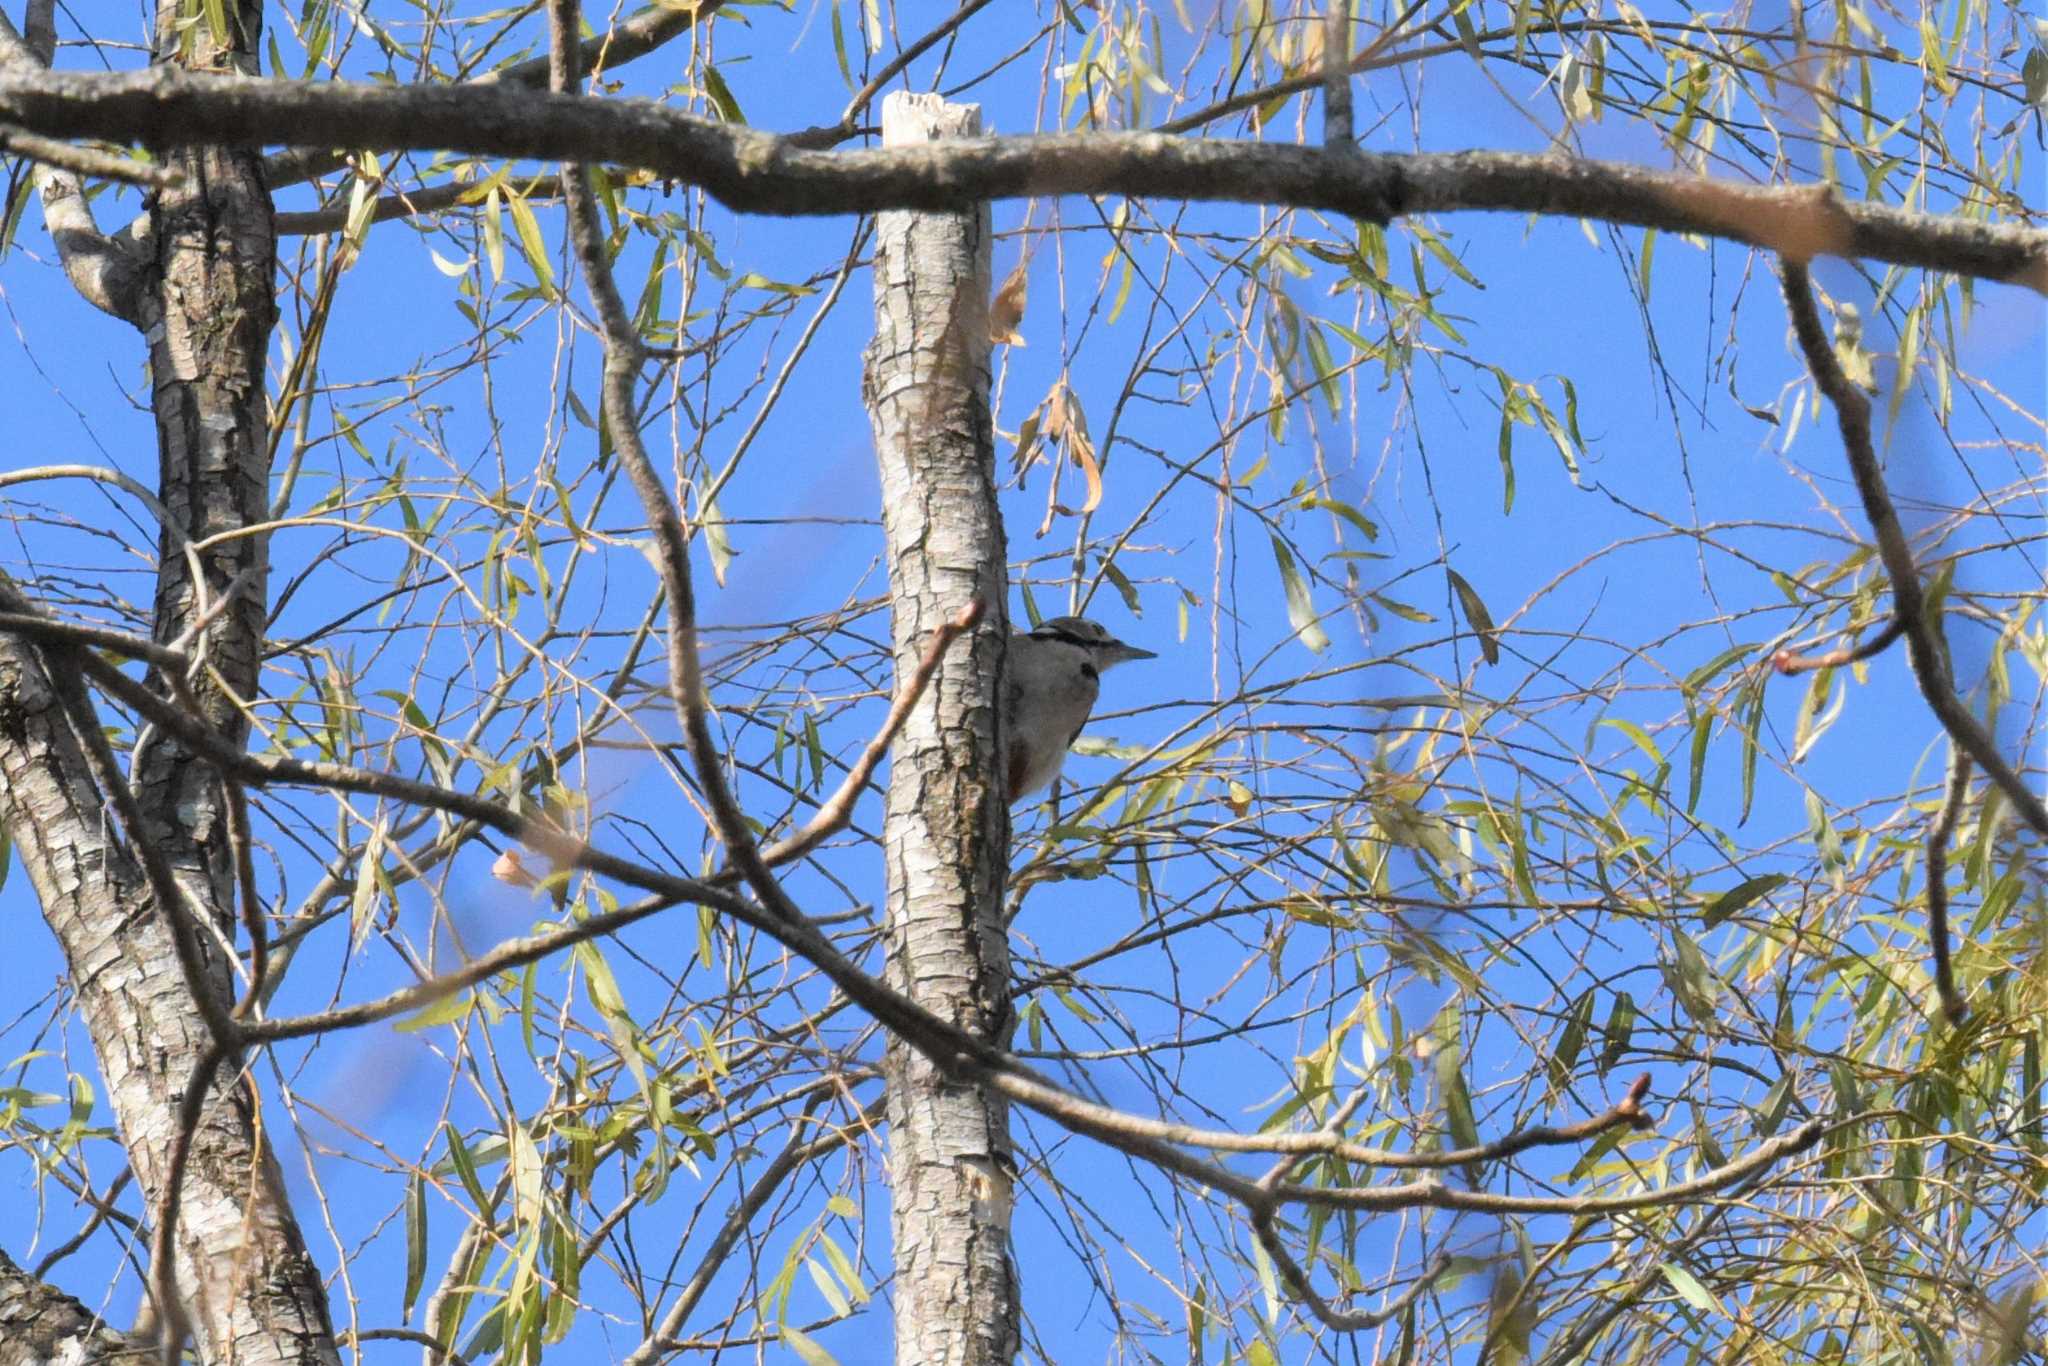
{"points": [[1926, 650], [753, 171], [1939, 835], [1924, 647]]}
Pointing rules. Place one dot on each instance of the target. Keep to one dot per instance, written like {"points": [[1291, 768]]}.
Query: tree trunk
{"points": [[40, 1324], [946, 834], [247, 1285]]}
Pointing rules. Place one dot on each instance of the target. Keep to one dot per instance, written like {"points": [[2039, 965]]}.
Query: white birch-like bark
{"points": [[947, 827], [205, 303]]}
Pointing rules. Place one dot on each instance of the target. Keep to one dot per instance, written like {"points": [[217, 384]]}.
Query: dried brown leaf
{"points": [[1006, 310]]}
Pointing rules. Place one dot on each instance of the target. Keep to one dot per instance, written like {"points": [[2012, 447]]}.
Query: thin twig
{"points": [[173, 1324], [88, 161], [1341, 1320], [242, 845], [1790, 662], [40, 627], [411, 203], [832, 134], [1938, 837], [832, 817], [794, 1154], [102, 1210], [433, 1344], [1370, 59]]}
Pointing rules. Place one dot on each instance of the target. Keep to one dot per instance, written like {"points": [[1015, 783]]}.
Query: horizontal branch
{"points": [[1789, 661], [88, 161], [753, 171]]}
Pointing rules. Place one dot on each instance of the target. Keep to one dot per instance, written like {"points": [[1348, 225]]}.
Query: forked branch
{"points": [[1926, 648]]}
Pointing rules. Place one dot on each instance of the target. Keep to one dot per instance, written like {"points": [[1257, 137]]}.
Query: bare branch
{"points": [[173, 902], [101, 474], [1924, 648], [794, 1154], [754, 171], [102, 1210], [1790, 662], [173, 1324], [645, 32], [106, 271], [1341, 1320], [623, 353], [837, 810], [1939, 835], [408, 204], [65, 156], [832, 134]]}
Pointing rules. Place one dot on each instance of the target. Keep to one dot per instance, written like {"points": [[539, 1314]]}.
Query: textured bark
{"points": [[252, 1291], [753, 171], [247, 1285], [947, 829], [40, 1325]]}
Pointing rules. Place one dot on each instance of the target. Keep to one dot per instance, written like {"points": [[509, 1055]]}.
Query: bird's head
{"points": [[1103, 648]]}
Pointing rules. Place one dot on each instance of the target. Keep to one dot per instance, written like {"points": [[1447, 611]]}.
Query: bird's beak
{"points": [[1125, 652]]}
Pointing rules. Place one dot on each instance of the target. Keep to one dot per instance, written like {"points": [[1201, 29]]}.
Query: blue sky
{"points": [[1661, 380]]}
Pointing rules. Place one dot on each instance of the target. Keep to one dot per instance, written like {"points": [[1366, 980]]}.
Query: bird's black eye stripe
{"points": [[1055, 633]]}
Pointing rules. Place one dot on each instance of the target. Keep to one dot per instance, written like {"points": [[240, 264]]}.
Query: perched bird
{"points": [[1049, 687]]}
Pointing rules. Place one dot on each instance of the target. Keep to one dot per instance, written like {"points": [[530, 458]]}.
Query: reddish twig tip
{"points": [[1632, 1104]]}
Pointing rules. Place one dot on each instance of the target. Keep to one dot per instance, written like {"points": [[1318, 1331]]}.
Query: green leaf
{"points": [[445, 1010], [1637, 736], [721, 96], [1686, 1284], [842, 1266], [415, 1242], [1476, 616], [1366, 528], [802, 1344], [1571, 1040], [464, 1162], [827, 1287], [1702, 728], [1301, 612], [1507, 459], [1727, 903], [494, 233], [1618, 1031], [532, 245]]}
